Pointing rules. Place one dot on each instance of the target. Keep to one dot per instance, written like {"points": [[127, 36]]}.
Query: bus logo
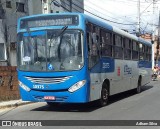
{"points": [[50, 67], [127, 70]]}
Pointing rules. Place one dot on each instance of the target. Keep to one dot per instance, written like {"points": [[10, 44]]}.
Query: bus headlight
{"points": [[24, 86], [77, 86]]}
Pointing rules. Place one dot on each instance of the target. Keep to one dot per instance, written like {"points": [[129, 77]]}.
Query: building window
{"points": [[8, 4], [2, 51], [20, 7]]}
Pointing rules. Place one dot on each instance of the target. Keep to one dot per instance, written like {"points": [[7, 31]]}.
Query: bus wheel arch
{"points": [[139, 84]]}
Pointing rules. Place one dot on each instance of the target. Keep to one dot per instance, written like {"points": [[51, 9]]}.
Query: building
{"points": [[11, 10], [3, 56], [34, 7], [56, 6]]}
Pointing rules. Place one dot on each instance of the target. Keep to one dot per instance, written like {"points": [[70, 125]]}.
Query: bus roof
{"points": [[94, 21]]}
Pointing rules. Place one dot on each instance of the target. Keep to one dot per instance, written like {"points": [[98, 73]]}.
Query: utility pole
{"points": [[138, 18], [46, 6], [70, 4], [157, 47], [153, 36]]}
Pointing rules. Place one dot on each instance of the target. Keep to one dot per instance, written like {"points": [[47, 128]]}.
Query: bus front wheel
{"points": [[104, 96]]}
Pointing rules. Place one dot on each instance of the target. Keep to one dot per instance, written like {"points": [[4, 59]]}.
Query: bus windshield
{"points": [[51, 51]]}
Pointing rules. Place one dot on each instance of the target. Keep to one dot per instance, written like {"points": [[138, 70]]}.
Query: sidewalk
{"points": [[12, 103]]}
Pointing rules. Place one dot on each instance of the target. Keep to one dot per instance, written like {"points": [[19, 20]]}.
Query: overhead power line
{"points": [[146, 8], [102, 17], [131, 1], [96, 15], [105, 10]]}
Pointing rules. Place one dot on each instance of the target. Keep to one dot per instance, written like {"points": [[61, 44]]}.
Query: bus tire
{"points": [[138, 89], [103, 101], [52, 104]]}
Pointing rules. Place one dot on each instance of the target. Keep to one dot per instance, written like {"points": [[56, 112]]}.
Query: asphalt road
{"points": [[124, 106]]}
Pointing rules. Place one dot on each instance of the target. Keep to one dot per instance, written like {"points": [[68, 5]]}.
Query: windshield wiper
{"points": [[62, 30], [55, 37]]}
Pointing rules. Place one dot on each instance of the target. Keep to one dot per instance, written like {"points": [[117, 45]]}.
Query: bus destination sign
{"points": [[60, 20]]}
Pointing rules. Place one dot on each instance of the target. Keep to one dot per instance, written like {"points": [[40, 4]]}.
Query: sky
{"points": [[123, 13]]}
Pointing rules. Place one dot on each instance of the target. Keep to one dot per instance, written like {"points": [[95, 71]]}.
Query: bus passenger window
{"points": [[127, 48], [149, 53], [106, 43], [135, 49], [118, 50], [141, 52], [94, 49], [93, 44]]}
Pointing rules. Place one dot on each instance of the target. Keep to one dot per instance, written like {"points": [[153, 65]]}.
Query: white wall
{"points": [[11, 16], [34, 7], [3, 56], [1, 32]]}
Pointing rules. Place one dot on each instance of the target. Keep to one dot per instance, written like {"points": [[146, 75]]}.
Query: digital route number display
{"points": [[61, 20]]}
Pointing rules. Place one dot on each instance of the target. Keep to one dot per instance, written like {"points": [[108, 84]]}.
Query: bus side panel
{"points": [[118, 81]]}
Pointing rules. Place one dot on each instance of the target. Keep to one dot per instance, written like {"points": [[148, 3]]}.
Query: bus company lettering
{"points": [[38, 86], [106, 65], [127, 70]]}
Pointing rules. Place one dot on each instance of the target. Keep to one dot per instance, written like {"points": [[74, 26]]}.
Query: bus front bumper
{"points": [[79, 96]]}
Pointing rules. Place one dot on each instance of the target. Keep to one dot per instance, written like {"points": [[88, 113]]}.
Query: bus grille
{"points": [[48, 80]]}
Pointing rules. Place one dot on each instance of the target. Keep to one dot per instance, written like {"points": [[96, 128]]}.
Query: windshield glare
{"points": [[50, 52]]}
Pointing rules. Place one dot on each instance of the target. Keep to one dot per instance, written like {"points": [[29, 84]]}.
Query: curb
{"points": [[15, 105]]}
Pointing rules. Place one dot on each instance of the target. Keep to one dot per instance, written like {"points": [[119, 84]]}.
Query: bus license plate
{"points": [[49, 98]]}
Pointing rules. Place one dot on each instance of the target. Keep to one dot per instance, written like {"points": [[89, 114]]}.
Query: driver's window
{"points": [[93, 44]]}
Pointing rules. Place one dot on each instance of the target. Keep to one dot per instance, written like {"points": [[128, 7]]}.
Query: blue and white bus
{"points": [[74, 58]]}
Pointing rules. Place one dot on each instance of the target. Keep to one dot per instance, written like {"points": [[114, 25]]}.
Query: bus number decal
{"points": [[38, 86], [106, 66]]}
